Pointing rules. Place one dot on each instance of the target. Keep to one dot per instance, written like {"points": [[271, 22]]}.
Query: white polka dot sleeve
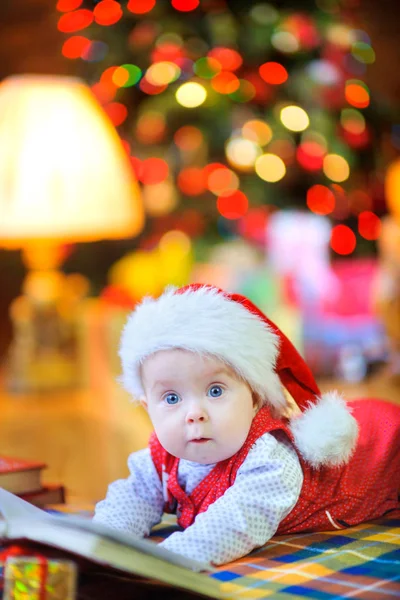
{"points": [[134, 504], [266, 488]]}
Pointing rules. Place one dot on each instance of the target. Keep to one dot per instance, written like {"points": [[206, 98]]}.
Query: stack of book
{"points": [[24, 478]]}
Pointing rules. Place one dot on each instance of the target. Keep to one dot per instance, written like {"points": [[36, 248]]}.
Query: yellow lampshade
{"points": [[64, 174]]}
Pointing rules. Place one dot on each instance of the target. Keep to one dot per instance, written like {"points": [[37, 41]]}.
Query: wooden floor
{"points": [[86, 436]]}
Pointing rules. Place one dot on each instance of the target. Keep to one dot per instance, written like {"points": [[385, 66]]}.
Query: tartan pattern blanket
{"points": [[362, 562]]}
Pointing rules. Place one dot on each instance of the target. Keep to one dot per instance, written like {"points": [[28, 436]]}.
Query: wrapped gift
{"points": [[32, 578]]}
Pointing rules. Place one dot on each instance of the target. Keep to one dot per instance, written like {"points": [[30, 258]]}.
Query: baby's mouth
{"points": [[201, 440]]}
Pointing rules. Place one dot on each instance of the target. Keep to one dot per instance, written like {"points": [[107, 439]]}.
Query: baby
{"points": [[210, 369]]}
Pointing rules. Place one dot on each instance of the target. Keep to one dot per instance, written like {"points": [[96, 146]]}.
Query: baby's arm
{"points": [[134, 504], [266, 488]]}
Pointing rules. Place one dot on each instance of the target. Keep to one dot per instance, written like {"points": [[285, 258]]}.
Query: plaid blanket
{"points": [[361, 562]]}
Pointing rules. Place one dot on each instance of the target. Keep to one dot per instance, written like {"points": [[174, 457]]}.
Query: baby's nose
{"points": [[196, 414]]}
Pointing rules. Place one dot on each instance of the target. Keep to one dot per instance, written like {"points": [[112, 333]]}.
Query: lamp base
{"points": [[46, 350]]}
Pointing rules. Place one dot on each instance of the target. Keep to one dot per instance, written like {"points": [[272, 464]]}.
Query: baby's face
{"points": [[200, 410]]}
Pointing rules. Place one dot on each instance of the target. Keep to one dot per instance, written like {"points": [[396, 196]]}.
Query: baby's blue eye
{"points": [[215, 391], [172, 399]]}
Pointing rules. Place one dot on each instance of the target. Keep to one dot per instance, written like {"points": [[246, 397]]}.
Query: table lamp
{"points": [[64, 178]]}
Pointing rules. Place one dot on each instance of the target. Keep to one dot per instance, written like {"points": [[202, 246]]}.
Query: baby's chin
{"points": [[206, 454]]}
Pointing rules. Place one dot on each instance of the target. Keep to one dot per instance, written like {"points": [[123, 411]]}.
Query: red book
{"points": [[20, 476], [49, 494]]}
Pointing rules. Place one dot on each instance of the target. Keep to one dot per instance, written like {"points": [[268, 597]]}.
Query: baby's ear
{"points": [[143, 403]]}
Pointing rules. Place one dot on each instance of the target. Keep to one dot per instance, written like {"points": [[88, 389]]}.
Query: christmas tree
{"points": [[232, 110]]}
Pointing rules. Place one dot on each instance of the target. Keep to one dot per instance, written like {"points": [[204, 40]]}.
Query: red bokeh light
{"points": [[154, 170], [140, 7], [211, 167], [137, 167], [188, 138], [74, 46], [105, 92], [185, 5], [191, 181], [229, 59], [117, 112], [233, 206], [253, 225], [75, 21], [67, 5], [273, 72], [167, 51], [263, 91], [225, 83], [343, 240], [149, 88], [107, 12], [320, 200], [310, 156], [369, 225]]}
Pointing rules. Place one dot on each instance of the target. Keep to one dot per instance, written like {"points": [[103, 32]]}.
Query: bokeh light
{"points": [[357, 93], [242, 153], [285, 42], [352, 121], [244, 93], [369, 225], [207, 67], [284, 148], [126, 75], [341, 35], [162, 73], [192, 181], [294, 118], [107, 12], [175, 240], [75, 21], [320, 200], [159, 199], [233, 206], [270, 167], [185, 5], [225, 82], [150, 89], [95, 51], [257, 131], [188, 138], [154, 170], [117, 112], [229, 59], [68, 5], [264, 13], [273, 73], [191, 94], [363, 52], [343, 240], [310, 155], [336, 167], [75, 46], [150, 127], [222, 182], [140, 7]]}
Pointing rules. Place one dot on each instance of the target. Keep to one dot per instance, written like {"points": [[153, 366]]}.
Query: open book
{"points": [[131, 555]]}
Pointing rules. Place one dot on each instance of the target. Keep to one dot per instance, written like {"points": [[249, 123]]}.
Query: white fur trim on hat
{"points": [[207, 322], [326, 432]]}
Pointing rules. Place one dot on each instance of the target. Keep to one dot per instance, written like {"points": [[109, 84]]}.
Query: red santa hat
{"points": [[204, 319]]}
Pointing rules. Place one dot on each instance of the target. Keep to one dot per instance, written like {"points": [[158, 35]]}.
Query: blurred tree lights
{"points": [[230, 108]]}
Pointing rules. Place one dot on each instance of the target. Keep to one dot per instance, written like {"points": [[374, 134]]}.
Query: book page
{"points": [[128, 539], [13, 507]]}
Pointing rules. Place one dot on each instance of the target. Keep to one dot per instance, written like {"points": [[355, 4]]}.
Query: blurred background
{"points": [[254, 146]]}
